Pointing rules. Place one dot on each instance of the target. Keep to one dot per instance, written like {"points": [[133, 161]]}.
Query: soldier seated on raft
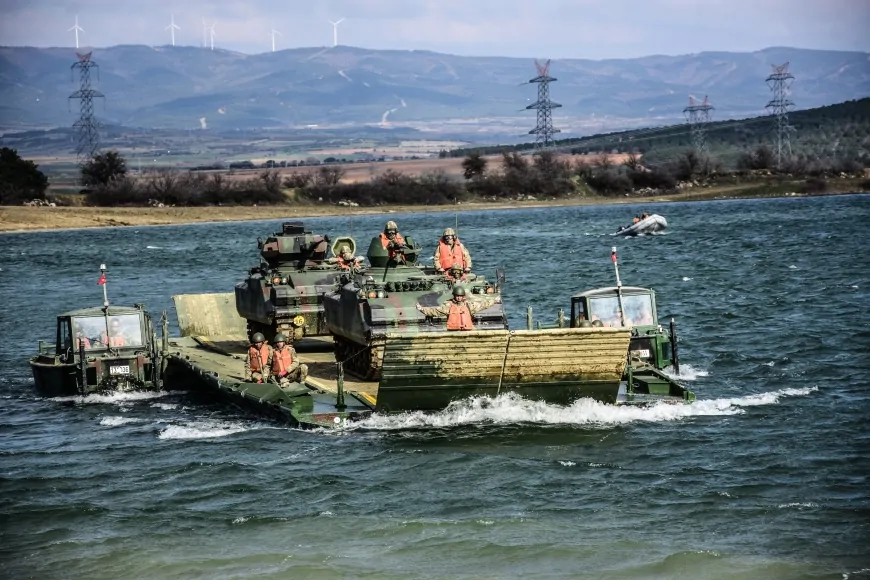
{"points": [[459, 310], [284, 365], [345, 258], [259, 360]]}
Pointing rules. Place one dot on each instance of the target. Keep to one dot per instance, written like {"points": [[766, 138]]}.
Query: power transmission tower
{"points": [[88, 139], [544, 130], [780, 83], [698, 116]]}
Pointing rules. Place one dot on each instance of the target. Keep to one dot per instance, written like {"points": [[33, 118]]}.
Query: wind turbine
{"points": [[335, 31], [172, 28], [77, 29], [211, 33], [274, 32]]}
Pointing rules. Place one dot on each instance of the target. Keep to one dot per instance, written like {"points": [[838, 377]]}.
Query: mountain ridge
{"points": [[176, 87]]}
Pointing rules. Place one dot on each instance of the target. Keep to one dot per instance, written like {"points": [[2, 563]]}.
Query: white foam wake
{"points": [[112, 398], [202, 430], [512, 409], [116, 421]]}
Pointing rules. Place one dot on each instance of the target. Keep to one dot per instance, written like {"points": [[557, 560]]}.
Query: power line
{"points": [[698, 116], [544, 130], [780, 83], [88, 142]]}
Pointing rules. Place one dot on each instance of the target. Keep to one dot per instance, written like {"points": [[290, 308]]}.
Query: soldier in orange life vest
{"points": [[345, 258], [259, 360], [114, 338], [285, 368], [391, 240], [451, 251], [81, 339], [459, 310]]}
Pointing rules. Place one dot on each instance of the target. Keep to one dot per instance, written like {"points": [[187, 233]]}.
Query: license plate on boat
{"points": [[120, 370], [643, 353]]}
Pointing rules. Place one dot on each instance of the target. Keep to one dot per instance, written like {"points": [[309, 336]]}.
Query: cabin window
{"points": [[578, 312], [98, 332], [638, 310], [64, 337]]}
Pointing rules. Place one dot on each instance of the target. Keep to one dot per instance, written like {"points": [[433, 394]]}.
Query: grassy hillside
{"points": [[834, 131]]}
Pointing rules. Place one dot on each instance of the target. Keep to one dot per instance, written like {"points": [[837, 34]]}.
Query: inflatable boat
{"points": [[652, 224]]}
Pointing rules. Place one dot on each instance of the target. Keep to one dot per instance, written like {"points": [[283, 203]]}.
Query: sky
{"points": [[591, 29]]}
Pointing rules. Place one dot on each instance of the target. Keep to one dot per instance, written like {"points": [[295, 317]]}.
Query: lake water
{"points": [[764, 476]]}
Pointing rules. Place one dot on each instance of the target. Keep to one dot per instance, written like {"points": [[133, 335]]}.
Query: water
{"points": [[765, 476]]}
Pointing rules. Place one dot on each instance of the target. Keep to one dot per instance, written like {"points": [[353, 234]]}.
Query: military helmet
{"points": [[449, 232], [597, 323], [279, 338], [458, 291], [585, 324], [258, 337], [345, 249], [391, 225]]}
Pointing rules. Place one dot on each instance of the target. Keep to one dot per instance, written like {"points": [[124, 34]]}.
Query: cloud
{"points": [[544, 28]]}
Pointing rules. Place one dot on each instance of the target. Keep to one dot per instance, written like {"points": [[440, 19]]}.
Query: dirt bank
{"points": [[22, 218]]}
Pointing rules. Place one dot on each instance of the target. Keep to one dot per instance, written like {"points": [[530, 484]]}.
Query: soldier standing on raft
{"points": [[450, 252], [458, 310]]}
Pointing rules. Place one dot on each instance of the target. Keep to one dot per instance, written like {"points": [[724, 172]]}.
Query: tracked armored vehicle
{"points": [[284, 293], [368, 306]]}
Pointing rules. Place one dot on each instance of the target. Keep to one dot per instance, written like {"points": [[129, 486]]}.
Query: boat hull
{"points": [[56, 380], [653, 224]]}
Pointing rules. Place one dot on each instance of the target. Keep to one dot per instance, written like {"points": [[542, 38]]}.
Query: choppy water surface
{"points": [[765, 476]]}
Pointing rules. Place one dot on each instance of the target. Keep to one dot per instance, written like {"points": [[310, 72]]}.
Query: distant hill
{"points": [[840, 130], [188, 88]]}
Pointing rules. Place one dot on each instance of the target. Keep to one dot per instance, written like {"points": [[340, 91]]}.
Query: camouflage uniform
{"points": [[261, 373], [345, 258], [446, 308], [294, 371], [436, 257]]}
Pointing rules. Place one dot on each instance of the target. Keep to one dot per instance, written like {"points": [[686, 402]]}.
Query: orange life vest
{"points": [[257, 358], [112, 340], [385, 242], [83, 341], [448, 256], [281, 361], [459, 317]]}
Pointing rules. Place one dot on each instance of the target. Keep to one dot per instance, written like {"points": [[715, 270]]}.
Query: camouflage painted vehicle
{"points": [[284, 293], [100, 349], [652, 349], [367, 306]]}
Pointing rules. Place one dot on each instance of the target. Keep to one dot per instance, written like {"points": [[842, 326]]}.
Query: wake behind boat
{"points": [[647, 225]]}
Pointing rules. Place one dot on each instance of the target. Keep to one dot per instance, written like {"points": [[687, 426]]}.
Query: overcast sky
{"points": [[526, 28]]}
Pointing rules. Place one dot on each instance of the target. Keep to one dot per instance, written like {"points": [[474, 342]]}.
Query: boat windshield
{"points": [[638, 310], [123, 330]]}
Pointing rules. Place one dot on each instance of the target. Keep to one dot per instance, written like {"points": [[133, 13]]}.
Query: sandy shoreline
{"points": [[18, 219]]}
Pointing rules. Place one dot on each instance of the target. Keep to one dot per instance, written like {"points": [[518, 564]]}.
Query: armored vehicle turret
{"points": [[368, 306], [284, 293]]}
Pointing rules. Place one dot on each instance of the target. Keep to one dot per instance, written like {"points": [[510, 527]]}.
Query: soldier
{"points": [[451, 251], [392, 240], [81, 339], [285, 368], [456, 273], [459, 310], [115, 338], [345, 258], [259, 360]]}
